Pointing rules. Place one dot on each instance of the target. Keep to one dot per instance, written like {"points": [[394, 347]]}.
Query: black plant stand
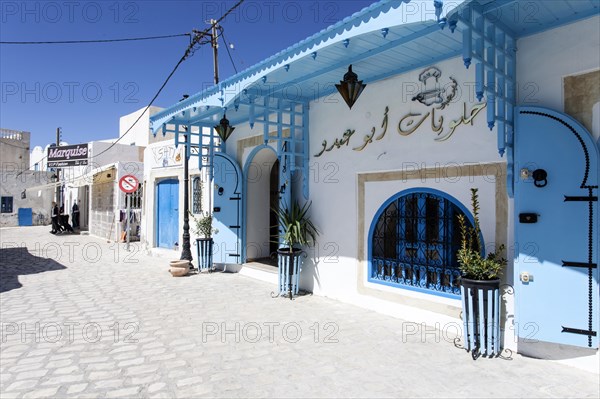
{"points": [[481, 317], [289, 271], [204, 250]]}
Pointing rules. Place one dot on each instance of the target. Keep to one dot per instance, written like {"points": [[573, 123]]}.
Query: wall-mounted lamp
{"points": [[224, 129], [350, 88]]}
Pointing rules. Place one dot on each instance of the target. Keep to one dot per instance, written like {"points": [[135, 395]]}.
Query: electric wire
{"points": [[189, 51], [196, 39], [228, 52], [100, 40]]}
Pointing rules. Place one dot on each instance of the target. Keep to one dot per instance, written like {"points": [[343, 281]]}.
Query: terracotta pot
{"points": [[180, 263], [179, 268]]}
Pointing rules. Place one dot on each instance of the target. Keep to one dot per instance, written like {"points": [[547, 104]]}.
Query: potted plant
{"points": [[204, 242], [296, 229], [480, 288]]}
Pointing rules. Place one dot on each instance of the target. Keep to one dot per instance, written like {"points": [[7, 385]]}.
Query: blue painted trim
{"points": [[251, 156], [380, 211], [158, 181], [306, 149]]}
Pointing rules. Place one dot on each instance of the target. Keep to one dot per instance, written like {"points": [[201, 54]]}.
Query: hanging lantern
{"points": [[224, 129], [350, 88]]}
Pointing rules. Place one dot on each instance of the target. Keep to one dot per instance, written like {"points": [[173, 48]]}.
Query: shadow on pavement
{"points": [[19, 261]]}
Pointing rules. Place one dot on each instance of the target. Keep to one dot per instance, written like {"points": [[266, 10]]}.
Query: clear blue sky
{"points": [[85, 88]]}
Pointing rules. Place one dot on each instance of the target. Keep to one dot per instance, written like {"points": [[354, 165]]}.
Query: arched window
{"points": [[414, 240], [197, 195]]}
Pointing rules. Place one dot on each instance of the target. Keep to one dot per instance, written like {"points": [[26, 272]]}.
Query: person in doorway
{"points": [[75, 211], [54, 218], [64, 220]]}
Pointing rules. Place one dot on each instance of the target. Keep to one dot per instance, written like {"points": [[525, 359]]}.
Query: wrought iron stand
{"points": [[204, 250], [289, 272], [481, 318]]}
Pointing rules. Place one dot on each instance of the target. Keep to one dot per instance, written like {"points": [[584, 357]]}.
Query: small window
{"points": [[7, 205], [136, 198], [197, 195]]}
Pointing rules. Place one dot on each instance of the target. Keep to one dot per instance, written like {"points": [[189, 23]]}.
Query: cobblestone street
{"points": [[84, 318]]}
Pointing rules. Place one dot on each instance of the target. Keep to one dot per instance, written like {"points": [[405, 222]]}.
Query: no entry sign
{"points": [[128, 184]]}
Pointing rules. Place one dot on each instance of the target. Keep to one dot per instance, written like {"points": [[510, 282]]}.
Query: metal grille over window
{"points": [[6, 205], [197, 196], [136, 198], [415, 242]]}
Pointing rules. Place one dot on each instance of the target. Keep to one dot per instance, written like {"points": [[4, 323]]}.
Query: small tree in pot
{"points": [[480, 288], [204, 243], [296, 230]]}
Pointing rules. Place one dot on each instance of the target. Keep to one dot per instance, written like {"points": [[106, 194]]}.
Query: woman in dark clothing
{"points": [[54, 218]]}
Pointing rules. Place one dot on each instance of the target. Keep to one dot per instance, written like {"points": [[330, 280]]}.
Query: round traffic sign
{"points": [[128, 184]]}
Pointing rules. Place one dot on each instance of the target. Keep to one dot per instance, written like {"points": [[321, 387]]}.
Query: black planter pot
{"points": [[481, 317], [289, 270], [204, 250]]}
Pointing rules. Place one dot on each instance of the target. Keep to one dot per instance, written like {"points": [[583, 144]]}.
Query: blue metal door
{"points": [[556, 230], [227, 210], [167, 213], [25, 217]]}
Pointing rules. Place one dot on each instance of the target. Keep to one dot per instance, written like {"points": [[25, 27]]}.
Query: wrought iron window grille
{"points": [[415, 242]]}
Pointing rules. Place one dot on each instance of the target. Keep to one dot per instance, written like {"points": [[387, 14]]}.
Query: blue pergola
{"points": [[385, 39]]}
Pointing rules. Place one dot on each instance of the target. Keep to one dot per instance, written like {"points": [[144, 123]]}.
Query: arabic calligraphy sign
{"points": [[412, 121]]}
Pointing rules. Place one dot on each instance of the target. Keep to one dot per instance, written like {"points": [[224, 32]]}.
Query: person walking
{"points": [[54, 218], [75, 211]]}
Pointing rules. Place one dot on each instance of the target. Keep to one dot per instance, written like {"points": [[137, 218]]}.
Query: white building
{"points": [[388, 176]]}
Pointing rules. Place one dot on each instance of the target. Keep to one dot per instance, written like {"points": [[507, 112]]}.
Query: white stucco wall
{"points": [[333, 265], [544, 59], [333, 183], [139, 134]]}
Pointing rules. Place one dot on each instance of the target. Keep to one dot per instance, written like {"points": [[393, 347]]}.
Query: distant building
{"points": [[25, 195], [95, 186]]}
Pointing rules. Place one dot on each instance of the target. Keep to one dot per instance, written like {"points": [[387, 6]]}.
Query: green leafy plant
{"points": [[203, 225], [295, 226], [472, 265]]}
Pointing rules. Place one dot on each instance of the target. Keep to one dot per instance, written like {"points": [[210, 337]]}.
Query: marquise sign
{"points": [[68, 155]]}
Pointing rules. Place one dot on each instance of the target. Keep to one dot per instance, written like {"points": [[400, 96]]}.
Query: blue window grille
{"points": [[414, 242], [197, 195]]}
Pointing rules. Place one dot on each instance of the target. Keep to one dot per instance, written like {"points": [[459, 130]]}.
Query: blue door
{"points": [[227, 210], [556, 231], [25, 217], [167, 213]]}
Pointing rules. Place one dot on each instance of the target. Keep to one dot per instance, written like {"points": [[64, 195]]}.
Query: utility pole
{"points": [[58, 186], [186, 253], [215, 46]]}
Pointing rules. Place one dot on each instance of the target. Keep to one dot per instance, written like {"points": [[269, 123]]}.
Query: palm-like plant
{"points": [[296, 227]]}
